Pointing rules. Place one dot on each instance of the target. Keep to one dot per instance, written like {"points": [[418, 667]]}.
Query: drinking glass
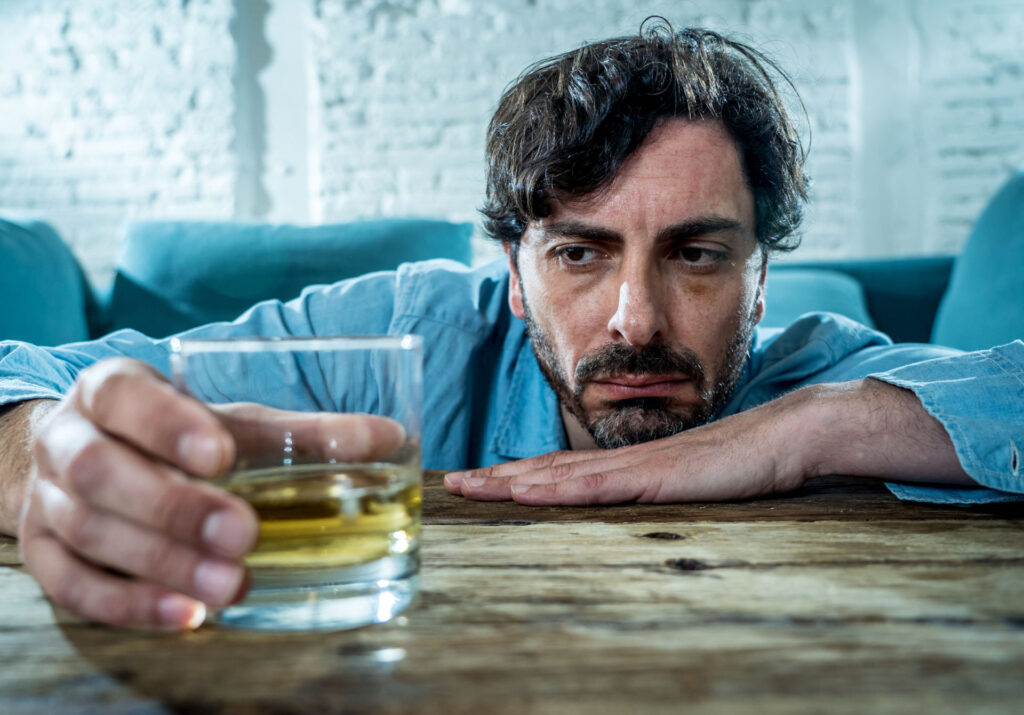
{"points": [[327, 433]]}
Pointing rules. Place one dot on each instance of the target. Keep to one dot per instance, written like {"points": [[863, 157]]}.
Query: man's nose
{"points": [[639, 317]]}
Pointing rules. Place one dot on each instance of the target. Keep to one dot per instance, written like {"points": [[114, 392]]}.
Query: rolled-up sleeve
{"points": [[978, 397]]}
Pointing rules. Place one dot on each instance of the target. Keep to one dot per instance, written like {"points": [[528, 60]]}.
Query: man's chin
{"points": [[633, 424]]}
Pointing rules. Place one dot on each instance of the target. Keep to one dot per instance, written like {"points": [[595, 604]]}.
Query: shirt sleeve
{"points": [[978, 397], [360, 306]]}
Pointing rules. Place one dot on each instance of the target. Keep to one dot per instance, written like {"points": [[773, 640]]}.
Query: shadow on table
{"points": [[216, 669]]}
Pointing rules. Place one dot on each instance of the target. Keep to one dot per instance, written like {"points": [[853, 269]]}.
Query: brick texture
{"points": [[131, 108], [115, 110]]}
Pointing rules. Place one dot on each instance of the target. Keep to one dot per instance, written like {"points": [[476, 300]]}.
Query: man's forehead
{"points": [[680, 158], [686, 172]]}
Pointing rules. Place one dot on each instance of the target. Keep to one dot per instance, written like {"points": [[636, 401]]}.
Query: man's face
{"points": [[641, 299]]}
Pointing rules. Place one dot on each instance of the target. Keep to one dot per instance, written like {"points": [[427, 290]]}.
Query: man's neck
{"points": [[577, 436]]}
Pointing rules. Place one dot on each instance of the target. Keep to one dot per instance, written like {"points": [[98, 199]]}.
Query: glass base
{"points": [[344, 599]]}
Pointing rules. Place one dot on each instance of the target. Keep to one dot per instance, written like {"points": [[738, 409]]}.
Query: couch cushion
{"points": [[43, 291], [984, 304], [789, 293], [178, 274]]}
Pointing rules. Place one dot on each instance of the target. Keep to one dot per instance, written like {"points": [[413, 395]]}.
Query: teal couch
{"points": [[970, 301], [174, 275]]}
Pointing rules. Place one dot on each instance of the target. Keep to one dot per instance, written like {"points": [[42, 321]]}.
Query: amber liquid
{"points": [[330, 516]]}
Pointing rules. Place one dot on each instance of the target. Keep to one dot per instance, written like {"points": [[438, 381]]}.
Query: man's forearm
{"points": [[872, 428], [17, 425], [865, 427]]}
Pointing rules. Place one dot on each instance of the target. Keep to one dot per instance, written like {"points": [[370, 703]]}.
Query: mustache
{"points": [[617, 359]]}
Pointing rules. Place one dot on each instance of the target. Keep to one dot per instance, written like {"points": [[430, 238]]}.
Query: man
{"points": [[638, 186]]}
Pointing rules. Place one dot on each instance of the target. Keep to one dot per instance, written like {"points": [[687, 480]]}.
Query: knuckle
{"points": [[163, 560], [87, 467], [178, 511], [593, 482], [102, 400], [484, 472], [67, 591], [118, 606], [548, 460], [164, 511], [102, 387], [566, 470], [80, 528]]}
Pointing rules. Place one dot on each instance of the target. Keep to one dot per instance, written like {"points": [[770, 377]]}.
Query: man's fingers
{"points": [[541, 464], [262, 432], [81, 587], [109, 541], [601, 478], [599, 487], [89, 592], [132, 401], [107, 475]]}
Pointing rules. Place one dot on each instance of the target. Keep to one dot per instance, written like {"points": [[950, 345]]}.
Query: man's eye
{"points": [[576, 254], [697, 256]]}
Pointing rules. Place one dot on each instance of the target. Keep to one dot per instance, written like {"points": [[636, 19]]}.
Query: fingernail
{"points": [[217, 581], [200, 453], [227, 533], [520, 488], [453, 479], [474, 481], [180, 611]]}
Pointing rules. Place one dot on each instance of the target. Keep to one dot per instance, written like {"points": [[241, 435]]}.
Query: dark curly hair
{"points": [[566, 126]]}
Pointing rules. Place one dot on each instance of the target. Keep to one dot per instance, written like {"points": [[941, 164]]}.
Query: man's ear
{"points": [[759, 305], [515, 286]]}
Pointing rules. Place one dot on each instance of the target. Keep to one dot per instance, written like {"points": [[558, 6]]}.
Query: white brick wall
{"points": [[971, 108], [112, 110], [328, 110]]}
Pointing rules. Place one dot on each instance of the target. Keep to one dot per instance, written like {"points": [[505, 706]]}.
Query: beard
{"points": [[632, 421]]}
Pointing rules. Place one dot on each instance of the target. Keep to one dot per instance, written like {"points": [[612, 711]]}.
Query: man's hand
{"points": [[866, 428], [734, 458], [113, 525]]}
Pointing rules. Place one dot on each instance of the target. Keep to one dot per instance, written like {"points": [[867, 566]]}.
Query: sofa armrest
{"points": [[47, 298], [902, 294]]}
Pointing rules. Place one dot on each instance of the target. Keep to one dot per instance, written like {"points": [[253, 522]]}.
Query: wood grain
{"points": [[837, 599]]}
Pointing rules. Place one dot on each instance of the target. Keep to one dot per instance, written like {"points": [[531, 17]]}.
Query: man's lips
{"points": [[627, 387]]}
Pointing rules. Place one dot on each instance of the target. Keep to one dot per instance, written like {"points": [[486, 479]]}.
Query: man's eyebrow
{"points": [[682, 231], [695, 228], [578, 229]]}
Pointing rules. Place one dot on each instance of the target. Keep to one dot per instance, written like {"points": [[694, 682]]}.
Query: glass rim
{"points": [[187, 346]]}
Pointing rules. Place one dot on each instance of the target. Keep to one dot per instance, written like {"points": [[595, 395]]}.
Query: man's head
{"points": [[567, 125], [637, 185]]}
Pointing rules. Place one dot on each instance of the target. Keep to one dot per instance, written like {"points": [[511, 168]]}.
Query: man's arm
{"points": [[17, 424], [864, 427], [113, 523]]}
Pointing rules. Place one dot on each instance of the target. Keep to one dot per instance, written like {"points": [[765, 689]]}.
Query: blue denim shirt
{"points": [[486, 400]]}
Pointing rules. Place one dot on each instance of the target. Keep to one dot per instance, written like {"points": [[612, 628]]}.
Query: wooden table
{"points": [[836, 599]]}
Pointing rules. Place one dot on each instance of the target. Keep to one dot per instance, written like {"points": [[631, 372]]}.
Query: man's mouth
{"points": [[631, 387]]}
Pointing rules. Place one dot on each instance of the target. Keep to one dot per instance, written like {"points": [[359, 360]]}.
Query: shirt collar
{"points": [[530, 421]]}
